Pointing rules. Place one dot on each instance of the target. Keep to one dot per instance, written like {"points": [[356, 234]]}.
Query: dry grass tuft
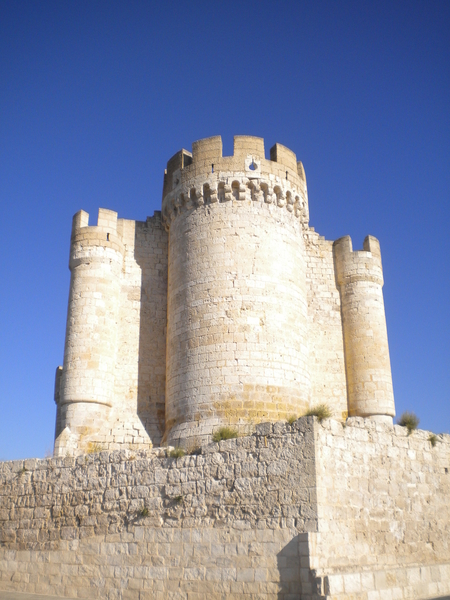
{"points": [[432, 438], [321, 411], [409, 420], [177, 453], [224, 433]]}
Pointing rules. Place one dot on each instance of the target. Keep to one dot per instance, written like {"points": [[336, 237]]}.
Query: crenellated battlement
{"points": [[207, 177], [106, 236], [358, 265], [106, 221]]}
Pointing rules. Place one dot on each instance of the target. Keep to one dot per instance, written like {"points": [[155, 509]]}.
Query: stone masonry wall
{"points": [[118, 525], [308, 510], [134, 340], [383, 505], [237, 318], [325, 340], [138, 409]]}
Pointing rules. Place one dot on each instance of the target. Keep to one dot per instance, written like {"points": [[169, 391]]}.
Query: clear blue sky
{"points": [[95, 96]]}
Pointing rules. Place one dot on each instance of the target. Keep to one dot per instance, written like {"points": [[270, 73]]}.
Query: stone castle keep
{"points": [[225, 308]]}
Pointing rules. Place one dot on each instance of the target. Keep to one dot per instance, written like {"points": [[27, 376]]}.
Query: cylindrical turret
{"points": [[237, 308], [87, 379], [369, 378]]}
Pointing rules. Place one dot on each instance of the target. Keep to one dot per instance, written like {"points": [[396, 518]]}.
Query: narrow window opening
{"points": [[253, 166], [286, 174], [212, 168], [107, 237]]}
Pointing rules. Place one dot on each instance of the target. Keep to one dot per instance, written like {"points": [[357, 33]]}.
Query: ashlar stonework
{"points": [[224, 309]]}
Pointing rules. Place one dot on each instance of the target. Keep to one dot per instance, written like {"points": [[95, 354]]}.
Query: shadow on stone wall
{"points": [[288, 562], [150, 239]]}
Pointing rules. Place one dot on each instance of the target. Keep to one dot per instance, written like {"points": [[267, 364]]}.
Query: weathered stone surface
{"points": [[320, 510]]}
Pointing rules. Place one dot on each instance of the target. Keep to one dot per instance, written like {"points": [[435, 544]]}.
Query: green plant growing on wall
{"points": [[224, 433], [321, 411], [143, 512], [409, 420], [178, 499], [177, 453], [292, 419], [432, 438]]}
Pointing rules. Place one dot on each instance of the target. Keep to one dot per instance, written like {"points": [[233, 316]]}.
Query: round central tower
{"points": [[237, 309]]}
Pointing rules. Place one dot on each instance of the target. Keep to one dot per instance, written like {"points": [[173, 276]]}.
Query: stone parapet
{"points": [[205, 178]]}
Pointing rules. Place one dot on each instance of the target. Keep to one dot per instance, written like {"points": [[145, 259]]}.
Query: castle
{"points": [[225, 308]]}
